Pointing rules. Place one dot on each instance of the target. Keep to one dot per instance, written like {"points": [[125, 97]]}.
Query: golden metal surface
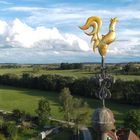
{"points": [[100, 42]]}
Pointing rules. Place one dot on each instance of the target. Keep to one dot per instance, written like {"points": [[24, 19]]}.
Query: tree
{"points": [[132, 121], [19, 115], [66, 101], [131, 68], [36, 68], [67, 66], [75, 110], [80, 114], [26, 79], [43, 111]]}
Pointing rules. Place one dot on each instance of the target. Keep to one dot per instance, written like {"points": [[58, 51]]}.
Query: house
{"points": [[121, 135], [129, 136]]}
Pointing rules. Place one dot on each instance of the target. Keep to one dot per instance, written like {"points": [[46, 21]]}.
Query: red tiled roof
{"points": [[129, 136], [132, 136]]}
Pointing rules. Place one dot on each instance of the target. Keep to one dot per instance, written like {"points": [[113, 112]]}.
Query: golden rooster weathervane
{"points": [[100, 42]]}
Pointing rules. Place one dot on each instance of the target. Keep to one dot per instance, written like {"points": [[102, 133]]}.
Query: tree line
{"points": [[68, 66], [122, 91]]}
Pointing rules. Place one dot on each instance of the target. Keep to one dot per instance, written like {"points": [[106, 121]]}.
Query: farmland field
{"points": [[73, 72], [25, 99]]}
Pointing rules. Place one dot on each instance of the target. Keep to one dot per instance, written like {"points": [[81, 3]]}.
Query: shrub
{"points": [[43, 111], [132, 121], [10, 130], [2, 137]]}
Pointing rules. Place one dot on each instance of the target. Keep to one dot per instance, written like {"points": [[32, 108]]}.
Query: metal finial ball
{"points": [[103, 120]]}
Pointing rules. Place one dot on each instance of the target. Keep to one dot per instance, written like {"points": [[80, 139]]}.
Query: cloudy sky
{"points": [[46, 31]]}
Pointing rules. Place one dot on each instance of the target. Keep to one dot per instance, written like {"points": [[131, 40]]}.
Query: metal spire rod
{"points": [[104, 82], [103, 77]]}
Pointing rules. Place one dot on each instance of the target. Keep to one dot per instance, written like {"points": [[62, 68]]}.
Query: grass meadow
{"points": [[26, 99]]}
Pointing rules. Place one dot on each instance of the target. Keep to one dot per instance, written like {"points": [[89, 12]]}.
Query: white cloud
{"points": [[23, 9], [66, 14], [20, 34], [3, 27], [131, 32]]}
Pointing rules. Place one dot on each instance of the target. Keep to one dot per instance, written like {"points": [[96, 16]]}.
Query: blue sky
{"points": [[46, 31]]}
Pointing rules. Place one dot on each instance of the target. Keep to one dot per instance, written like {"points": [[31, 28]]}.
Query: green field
{"points": [[76, 73], [127, 77], [20, 71], [25, 99]]}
